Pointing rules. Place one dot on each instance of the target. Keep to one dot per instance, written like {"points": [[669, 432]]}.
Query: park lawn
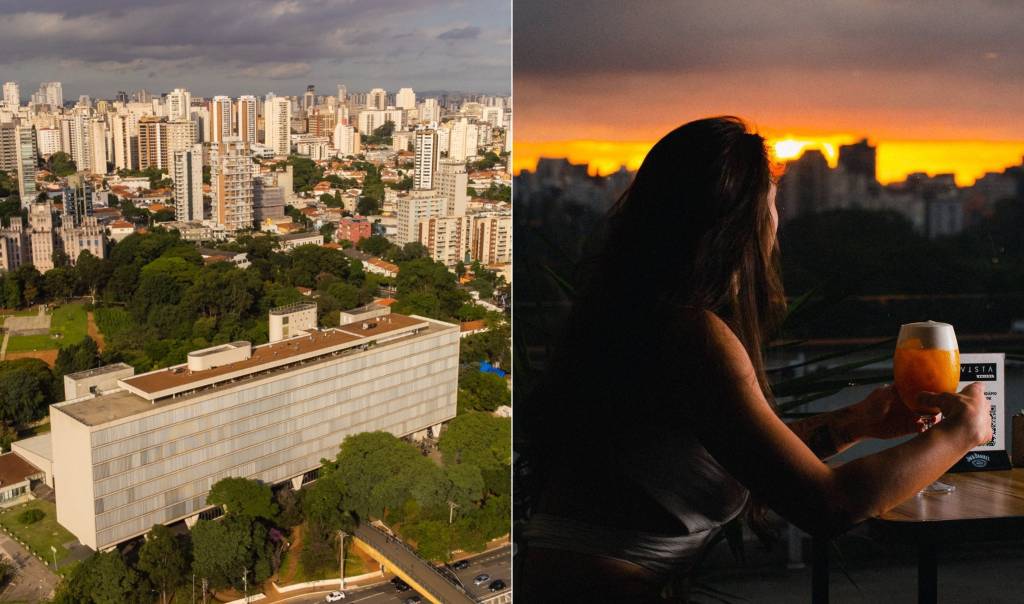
{"points": [[70, 321], [42, 534]]}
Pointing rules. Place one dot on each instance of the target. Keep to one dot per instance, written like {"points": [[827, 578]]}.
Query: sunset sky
{"points": [[938, 86]]}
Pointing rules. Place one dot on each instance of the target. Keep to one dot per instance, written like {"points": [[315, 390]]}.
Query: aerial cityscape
{"points": [[205, 297]]}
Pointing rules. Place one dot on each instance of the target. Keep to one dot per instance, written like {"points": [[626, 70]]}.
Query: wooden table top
{"points": [[979, 496]]}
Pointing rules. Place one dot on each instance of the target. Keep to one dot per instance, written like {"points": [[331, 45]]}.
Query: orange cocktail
{"points": [[927, 360]]}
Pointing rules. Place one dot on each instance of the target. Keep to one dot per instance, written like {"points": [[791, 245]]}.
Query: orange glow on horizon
{"points": [[967, 160]]}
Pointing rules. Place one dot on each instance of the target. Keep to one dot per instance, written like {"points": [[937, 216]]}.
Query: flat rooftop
{"points": [[88, 373], [125, 403]]}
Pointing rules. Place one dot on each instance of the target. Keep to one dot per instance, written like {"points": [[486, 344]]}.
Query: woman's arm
{"points": [[738, 427], [881, 415]]}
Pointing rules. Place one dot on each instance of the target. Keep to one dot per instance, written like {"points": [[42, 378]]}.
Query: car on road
{"points": [[460, 565], [496, 585], [413, 600], [481, 579], [335, 596], [399, 584]]}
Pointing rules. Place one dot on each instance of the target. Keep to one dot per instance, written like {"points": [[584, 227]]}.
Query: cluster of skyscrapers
{"points": [[178, 134]]}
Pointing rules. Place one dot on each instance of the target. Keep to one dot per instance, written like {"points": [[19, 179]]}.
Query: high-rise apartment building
{"points": [[27, 152], [448, 239], [159, 139], [77, 200], [463, 140], [429, 112], [12, 94], [9, 148], [220, 119], [152, 148], [278, 116], [49, 141], [492, 238], [246, 118], [377, 99], [413, 207], [145, 449], [179, 104], [346, 140], [405, 99], [187, 173], [231, 176], [50, 93], [124, 129], [342, 94], [452, 181], [426, 158]]}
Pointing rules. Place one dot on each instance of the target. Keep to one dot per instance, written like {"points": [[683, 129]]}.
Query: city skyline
{"points": [[936, 91], [96, 49]]}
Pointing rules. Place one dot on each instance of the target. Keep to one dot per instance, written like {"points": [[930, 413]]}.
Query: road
{"points": [[496, 563]]}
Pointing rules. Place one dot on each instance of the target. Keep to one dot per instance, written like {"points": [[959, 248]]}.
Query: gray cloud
{"points": [[593, 37], [460, 33], [245, 45]]}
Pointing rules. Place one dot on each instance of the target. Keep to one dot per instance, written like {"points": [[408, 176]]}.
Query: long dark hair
{"points": [[694, 229]]}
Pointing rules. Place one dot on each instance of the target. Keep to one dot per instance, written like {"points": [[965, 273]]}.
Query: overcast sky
{"points": [[233, 47], [942, 69]]}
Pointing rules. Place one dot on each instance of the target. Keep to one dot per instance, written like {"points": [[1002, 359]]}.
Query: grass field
{"points": [[69, 321], [39, 535]]}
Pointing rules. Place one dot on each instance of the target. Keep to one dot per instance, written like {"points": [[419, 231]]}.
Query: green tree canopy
{"points": [[482, 391], [243, 497], [478, 438], [164, 559]]}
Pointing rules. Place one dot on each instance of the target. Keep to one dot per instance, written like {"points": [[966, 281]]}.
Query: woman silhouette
{"points": [[655, 424]]}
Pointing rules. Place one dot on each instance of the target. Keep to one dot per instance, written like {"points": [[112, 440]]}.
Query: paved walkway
{"points": [[34, 583]]}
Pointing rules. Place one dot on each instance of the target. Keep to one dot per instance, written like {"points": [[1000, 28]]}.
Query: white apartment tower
{"points": [[426, 159], [452, 181], [12, 95], [463, 141], [377, 99], [405, 99], [231, 176], [277, 115], [346, 140], [430, 112], [187, 174], [220, 118], [246, 118], [179, 103]]}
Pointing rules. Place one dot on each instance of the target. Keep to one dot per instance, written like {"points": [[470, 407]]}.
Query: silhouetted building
{"points": [[859, 158]]}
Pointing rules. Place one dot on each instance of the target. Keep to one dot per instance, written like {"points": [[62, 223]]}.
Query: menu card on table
{"points": [[987, 368]]}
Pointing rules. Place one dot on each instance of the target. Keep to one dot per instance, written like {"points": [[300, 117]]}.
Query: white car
{"points": [[335, 596], [481, 579]]}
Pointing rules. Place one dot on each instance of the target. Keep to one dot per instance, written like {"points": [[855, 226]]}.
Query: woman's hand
{"points": [[883, 415], [967, 409]]}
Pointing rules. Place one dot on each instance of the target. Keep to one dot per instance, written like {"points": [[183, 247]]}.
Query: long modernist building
{"points": [[132, 451]]}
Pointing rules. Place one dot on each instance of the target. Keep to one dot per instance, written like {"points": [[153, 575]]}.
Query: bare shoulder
{"points": [[705, 335]]}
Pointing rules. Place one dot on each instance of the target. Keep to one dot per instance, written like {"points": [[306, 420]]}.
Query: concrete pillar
{"points": [[435, 430], [297, 482], [191, 521], [420, 435]]}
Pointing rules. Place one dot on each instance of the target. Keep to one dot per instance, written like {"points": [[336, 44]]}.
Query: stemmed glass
{"points": [[927, 359]]}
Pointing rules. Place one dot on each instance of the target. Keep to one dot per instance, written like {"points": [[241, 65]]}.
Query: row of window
{"points": [[272, 466]]}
